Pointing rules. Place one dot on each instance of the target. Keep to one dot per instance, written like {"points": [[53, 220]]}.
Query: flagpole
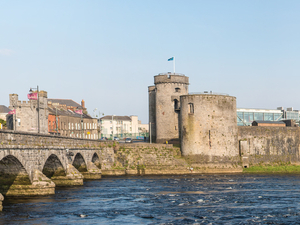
{"points": [[15, 123], [174, 64]]}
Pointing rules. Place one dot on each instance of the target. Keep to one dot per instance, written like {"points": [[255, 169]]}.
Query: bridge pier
{"points": [[1, 199], [93, 173], [73, 177], [41, 185]]}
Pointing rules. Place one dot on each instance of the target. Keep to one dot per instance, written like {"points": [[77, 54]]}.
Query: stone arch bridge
{"points": [[33, 164]]}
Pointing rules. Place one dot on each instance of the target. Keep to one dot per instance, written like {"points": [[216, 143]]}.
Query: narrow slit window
{"points": [[191, 108], [177, 90]]}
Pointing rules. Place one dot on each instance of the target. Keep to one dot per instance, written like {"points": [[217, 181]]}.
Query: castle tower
{"points": [[209, 127], [29, 114], [164, 105], [13, 100]]}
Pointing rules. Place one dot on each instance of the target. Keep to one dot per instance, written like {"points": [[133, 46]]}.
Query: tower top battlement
{"points": [[171, 78]]}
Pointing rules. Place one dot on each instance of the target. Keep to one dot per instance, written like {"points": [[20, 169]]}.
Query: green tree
{"points": [[3, 122]]}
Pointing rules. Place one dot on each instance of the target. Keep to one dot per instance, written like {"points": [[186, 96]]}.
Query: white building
{"points": [[143, 128], [120, 126]]}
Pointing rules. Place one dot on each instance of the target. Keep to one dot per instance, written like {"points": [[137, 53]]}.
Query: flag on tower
{"points": [[33, 96], [79, 111], [12, 111], [171, 59]]}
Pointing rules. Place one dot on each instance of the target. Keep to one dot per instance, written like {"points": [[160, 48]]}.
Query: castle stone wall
{"points": [[209, 126], [268, 145]]}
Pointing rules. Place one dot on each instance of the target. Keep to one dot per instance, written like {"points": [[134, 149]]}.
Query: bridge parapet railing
{"points": [[18, 139]]}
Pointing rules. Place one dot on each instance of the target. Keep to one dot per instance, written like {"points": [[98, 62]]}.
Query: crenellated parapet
{"points": [[171, 78]]}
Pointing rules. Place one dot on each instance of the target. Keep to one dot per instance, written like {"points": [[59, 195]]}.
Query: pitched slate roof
{"points": [[62, 112], [116, 118], [269, 122], [4, 109], [67, 102]]}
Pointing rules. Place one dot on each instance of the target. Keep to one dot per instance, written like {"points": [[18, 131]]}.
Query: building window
{"points": [[176, 104], [72, 126], [191, 108], [177, 90], [84, 125], [19, 122], [75, 126]]}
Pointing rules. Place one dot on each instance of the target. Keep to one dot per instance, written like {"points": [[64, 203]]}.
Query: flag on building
{"points": [[32, 96], [12, 112], [79, 111], [171, 59]]}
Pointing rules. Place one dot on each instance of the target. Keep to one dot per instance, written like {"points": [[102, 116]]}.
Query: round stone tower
{"points": [[209, 127], [168, 89]]}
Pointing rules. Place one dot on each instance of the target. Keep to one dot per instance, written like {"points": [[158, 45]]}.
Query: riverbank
{"points": [[279, 168]]}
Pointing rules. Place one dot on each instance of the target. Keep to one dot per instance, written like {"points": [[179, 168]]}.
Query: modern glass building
{"points": [[245, 117], [291, 114]]}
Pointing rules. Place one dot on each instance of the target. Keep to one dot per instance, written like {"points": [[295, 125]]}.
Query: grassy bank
{"points": [[273, 169]]}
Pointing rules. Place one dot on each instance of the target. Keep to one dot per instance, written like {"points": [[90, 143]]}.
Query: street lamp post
{"points": [[112, 124], [15, 119], [99, 124], [94, 112], [82, 130], [150, 133], [38, 105], [56, 121]]}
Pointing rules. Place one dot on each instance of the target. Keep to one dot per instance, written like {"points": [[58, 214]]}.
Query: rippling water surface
{"points": [[190, 199]]}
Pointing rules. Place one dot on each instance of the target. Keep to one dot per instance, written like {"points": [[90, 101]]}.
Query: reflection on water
{"points": [[191, 199]]}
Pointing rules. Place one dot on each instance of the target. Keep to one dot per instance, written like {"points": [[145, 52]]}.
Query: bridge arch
{"points": [[96, 160], [53, 167], [79, 163], [12, 172]]}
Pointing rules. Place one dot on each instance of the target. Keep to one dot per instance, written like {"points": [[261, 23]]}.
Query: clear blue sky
{"points": [[107, 52]]}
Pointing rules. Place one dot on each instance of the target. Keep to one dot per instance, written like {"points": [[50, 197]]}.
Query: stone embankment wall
{"points": [[155, 159], [145, 158], [269, 145]]}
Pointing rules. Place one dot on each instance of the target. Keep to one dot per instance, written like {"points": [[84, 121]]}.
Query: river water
{"points": [[189, 199]]}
